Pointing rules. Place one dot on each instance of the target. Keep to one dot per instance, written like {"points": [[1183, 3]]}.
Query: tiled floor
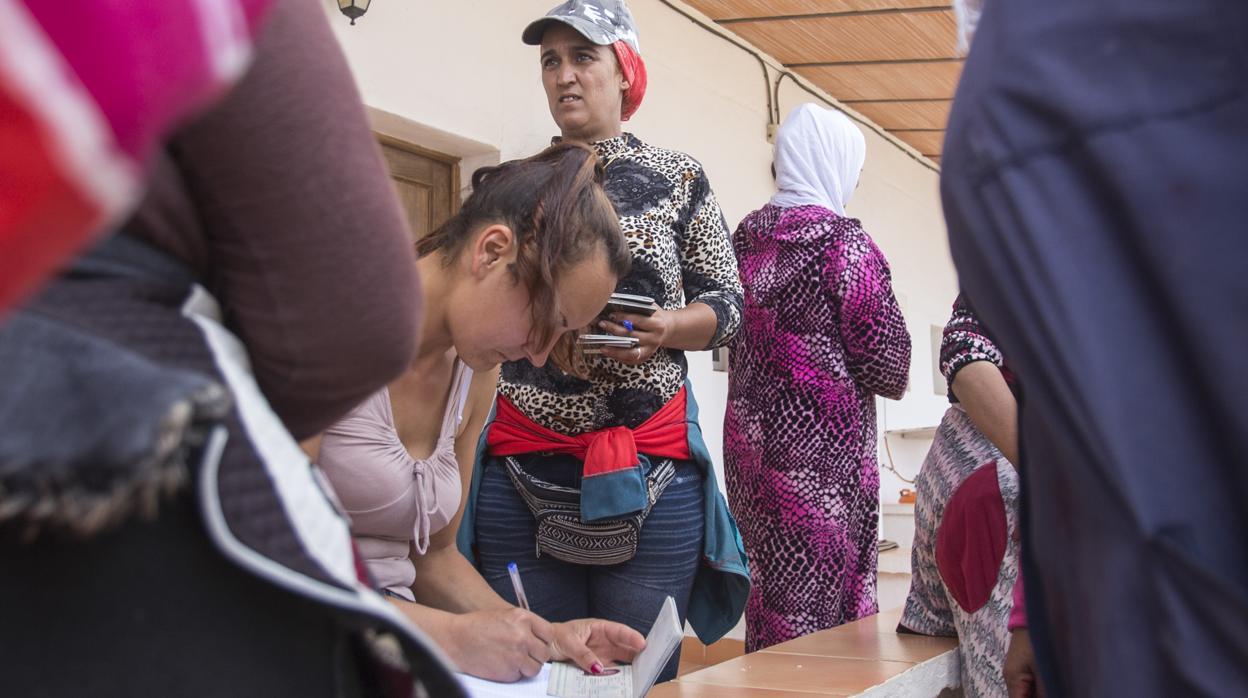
{"points": [[829, 676], [867, 641], [840, 662], [674, 689], [843, 661], [892, 590]]}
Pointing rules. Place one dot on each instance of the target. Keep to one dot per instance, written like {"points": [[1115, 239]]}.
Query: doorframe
{"points": [[452, 160], [472, 154]]}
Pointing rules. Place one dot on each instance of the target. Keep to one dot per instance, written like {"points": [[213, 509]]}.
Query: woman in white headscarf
{"points": [[822, 335]]}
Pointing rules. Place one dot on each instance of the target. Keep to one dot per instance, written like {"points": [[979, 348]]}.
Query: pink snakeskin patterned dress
{"points": [[822, 335]]}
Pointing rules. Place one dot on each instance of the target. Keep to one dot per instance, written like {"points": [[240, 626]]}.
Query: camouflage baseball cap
{"points": [[603, 22]]}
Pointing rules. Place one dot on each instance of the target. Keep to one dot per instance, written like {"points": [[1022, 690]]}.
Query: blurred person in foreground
{"points": [[162, 533], [81, 113], [1093, 184]]}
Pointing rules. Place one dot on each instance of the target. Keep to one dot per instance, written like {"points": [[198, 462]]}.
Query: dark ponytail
{"points": [[555, 204]]}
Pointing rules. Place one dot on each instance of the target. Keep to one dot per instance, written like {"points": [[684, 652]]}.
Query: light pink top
{"points": [[395, 501]]}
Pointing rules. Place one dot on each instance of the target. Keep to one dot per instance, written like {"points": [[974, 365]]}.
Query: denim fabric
{"points": [[722, 583], [631, 592]]}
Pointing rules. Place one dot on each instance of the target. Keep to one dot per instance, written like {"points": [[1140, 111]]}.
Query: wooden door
{"points": [[427, 183]]}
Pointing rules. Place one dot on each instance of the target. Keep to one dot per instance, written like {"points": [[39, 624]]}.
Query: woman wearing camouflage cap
{"points": [[607, 471]]}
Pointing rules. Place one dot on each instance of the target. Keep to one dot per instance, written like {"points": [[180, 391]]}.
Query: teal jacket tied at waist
{"points": [[722, 583]]}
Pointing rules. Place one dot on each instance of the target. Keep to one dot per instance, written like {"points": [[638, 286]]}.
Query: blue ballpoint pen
{"points": [[521, 599]]}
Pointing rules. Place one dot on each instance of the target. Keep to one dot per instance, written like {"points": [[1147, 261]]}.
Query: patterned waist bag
{"points": [[564, 536]]}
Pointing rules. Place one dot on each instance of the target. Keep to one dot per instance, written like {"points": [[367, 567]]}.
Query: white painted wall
{"points": [[455, 77]]}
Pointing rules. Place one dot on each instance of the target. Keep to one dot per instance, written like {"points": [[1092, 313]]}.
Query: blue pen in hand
{"points": [[521, 599]]}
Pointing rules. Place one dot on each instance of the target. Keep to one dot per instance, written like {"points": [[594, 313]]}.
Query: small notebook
{"points": [[629, 681], [525, 688], [569, 681]]}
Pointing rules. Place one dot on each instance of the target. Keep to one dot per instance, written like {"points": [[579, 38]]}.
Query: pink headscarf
{"points": [[634, 70]]}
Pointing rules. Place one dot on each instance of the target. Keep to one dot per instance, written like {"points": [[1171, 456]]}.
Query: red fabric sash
{"points": [[971, 539], [606, 451]]}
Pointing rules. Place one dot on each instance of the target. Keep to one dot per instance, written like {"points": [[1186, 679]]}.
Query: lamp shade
{"points": [[353, 8]]}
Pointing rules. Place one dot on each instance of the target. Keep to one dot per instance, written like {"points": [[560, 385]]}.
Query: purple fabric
{"points": [[147, 65], [88, 89], [822, 336]]}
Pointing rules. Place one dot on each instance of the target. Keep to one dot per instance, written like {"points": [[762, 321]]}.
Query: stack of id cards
{"points": [[618, 303], [629, 303], [595, 343]]}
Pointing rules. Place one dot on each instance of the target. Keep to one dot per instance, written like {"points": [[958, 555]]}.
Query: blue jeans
{"points": [[631, 592]]}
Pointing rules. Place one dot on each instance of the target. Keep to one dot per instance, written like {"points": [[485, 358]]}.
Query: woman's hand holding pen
{"points": [[500, 645], [594, 644], [587, 642]]}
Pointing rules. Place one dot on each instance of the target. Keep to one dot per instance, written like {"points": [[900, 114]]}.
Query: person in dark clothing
{"points": [[1093, 184], [160, 530]]}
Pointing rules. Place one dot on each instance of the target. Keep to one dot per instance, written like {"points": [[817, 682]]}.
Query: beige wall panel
{"points": [[926, 142], [886, 81], [737, 9], [906, 115], [877, 37]]}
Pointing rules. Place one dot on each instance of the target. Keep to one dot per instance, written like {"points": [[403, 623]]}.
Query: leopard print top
{"points": [[681, 254]]}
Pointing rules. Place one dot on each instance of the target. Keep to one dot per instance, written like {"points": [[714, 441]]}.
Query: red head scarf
{"points": [[634, 70]]}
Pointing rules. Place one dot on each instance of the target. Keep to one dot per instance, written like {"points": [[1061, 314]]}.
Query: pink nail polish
{"points": [[595, 668]]}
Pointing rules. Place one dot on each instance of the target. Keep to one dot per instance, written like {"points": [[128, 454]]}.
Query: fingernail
{"points": [[595, 668]]}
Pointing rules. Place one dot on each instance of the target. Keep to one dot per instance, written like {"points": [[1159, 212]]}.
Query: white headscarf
{"points": [[967, 12], [819, 155]]}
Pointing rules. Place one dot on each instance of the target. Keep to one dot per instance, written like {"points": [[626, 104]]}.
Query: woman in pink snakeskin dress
{"points": [[822, 335]]}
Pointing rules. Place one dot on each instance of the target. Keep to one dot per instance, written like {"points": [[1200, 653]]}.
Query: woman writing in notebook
{"points": [[534, 252]]}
